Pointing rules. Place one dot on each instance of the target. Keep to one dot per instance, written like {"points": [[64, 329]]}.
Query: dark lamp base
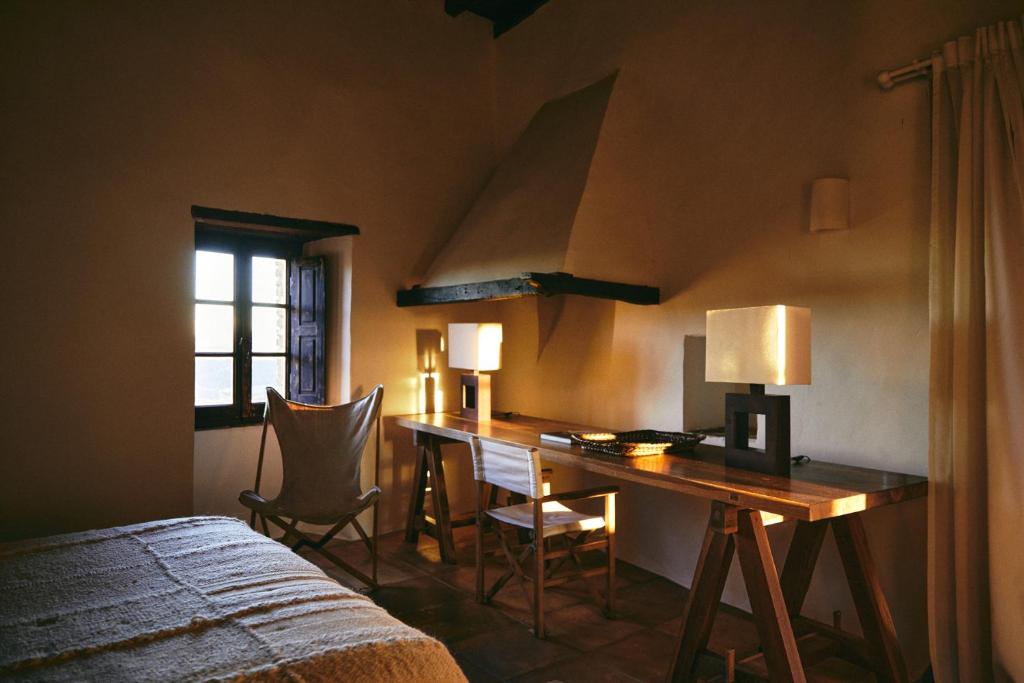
{"points": [[476, 397], [774, 459]]}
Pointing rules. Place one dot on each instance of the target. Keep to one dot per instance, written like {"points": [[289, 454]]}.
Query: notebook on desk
{"points": [[557, 437]]}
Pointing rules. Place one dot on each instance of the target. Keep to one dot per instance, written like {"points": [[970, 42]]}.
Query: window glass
{"points": [[269, 328], [269, 280], [214, 381], [215, 276], [215, 328], [267, 372]]}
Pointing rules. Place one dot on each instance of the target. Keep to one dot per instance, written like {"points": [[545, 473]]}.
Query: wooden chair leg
{"points": [[574, 554], [702, 603], [480, 540], [371, 544], [538, 572], [766, 600], [338, 526], [291, 529], [498, 585], [376, 505], [374, 552], [346, 566], [609, 529], [872, 608], [515, 568], [363, 536]]}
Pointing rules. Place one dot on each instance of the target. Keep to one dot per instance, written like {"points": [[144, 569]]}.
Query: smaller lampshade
{"points": [[759, 345], [474, 346], [830, 204]]}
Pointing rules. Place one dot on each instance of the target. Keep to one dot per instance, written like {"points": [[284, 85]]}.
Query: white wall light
{"points": [[830, 204]]}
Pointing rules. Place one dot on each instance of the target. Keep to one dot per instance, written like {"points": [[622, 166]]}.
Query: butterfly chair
{"points": [[321, 453], [517, 470]]}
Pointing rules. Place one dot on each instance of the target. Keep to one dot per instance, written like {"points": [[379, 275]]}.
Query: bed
{"points": [[197, 598]]}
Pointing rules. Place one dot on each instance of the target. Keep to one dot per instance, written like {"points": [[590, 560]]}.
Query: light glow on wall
{"points": [[430, 397]]}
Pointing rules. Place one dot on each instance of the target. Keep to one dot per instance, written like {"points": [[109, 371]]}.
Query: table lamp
{"points": [[757, 346], [476, 347]]}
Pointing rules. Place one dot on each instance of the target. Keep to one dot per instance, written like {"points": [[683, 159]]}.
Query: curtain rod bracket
{"points": [[889, 79]]}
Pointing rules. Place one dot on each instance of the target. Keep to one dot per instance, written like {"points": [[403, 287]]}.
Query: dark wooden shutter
{"points": [[306, 368]]}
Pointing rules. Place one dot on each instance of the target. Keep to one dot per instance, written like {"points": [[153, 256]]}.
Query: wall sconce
{"points": [[476, 347], [429, 347], [830, 204]]}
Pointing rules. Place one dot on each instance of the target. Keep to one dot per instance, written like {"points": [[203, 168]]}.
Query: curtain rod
{"points": [[888, 79], [921, 67]]}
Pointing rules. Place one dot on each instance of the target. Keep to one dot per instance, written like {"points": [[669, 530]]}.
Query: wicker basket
{"points": [[637, 443]]}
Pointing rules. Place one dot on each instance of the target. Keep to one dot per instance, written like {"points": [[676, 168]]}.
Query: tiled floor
{"points": [[494, 642]]}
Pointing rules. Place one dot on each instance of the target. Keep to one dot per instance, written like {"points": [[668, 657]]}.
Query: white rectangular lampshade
{"points": [[759, 345], [474, 346]]}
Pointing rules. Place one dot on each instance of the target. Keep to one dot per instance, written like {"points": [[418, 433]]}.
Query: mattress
{"points": [[198, 598]]}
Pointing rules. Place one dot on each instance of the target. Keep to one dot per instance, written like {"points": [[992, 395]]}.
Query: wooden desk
{"points": [[818, 495]]}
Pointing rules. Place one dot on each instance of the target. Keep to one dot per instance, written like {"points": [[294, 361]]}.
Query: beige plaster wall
{"points": [[117, 116], [723, 114]]}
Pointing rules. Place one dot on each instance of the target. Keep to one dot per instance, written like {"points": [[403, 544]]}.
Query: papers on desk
{"points": [[557, 437]]}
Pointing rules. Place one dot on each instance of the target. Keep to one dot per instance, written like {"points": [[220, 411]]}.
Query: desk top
{"points": [[816, 490]]}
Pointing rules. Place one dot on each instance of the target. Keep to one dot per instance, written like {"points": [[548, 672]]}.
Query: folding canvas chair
{"points": [[321, 453], [517, 470]]}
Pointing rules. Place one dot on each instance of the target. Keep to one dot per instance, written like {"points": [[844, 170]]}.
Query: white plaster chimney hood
{"points": [[518, 238]]}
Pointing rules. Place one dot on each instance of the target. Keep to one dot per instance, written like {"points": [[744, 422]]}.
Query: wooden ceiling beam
{"points": [[504, 14], [529, 284]]}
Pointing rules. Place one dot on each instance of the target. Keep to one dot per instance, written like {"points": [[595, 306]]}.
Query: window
{"points": [[241, 319], [259, 314]]}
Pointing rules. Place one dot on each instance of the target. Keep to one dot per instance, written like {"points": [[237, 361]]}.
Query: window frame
{"points": [[243, 247]]}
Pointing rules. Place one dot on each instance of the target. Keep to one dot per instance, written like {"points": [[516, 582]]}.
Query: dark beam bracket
{"points": [[529, 284], [266, 225]]}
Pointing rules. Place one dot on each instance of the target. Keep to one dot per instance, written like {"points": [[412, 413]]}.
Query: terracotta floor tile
{"points": [[652, 602], [584, 627], [463, 576], [633, 573], [416, 594], [672, 626], [838, 671], [577, 670], [512, 602], [423, 555], [510, 652], [645, 655], [731, 630], [452, 622], [474, 673]]}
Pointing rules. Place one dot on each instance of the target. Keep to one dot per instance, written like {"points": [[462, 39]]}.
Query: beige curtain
{"points": [[976, 411]]}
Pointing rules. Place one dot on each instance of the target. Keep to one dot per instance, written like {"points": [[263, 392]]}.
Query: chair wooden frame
{"points": [[534, 561], [296, 539]]}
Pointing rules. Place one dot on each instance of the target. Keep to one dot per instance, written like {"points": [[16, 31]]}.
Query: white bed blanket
{"points": [[199, 598]]}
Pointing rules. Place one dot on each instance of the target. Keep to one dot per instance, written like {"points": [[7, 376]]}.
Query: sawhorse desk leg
{"points": [[776, 603], [429, 475]]}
